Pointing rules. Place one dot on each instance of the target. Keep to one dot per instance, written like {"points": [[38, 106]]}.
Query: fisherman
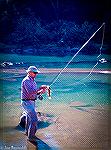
{"points": [[29, 92]]}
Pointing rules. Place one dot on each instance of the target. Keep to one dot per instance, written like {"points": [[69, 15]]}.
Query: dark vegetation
{"points": [[25, 30]]}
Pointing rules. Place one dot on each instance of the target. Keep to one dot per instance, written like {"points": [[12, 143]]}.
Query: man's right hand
{"points": [[42, 89]]}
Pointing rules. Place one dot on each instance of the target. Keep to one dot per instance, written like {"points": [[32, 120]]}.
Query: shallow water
{"points": [[69, 86]]}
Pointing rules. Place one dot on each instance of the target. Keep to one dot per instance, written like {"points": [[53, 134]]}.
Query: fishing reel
{"points": [[40, 97]]}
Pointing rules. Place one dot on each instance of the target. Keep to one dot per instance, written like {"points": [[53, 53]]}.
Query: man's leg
{"points": [[31, 121], [33, 124], [27, 124]]}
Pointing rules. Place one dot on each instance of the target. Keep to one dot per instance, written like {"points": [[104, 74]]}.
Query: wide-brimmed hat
{"points": [[32, 69]]}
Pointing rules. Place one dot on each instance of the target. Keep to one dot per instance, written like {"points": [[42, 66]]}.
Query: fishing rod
{"points": [[55, 79]]}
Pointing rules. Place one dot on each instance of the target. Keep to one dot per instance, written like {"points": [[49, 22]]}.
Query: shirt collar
{"points": [[31, 78]]}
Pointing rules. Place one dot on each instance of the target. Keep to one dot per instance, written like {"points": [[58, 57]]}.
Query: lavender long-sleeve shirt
{"points": [[28, 87]]}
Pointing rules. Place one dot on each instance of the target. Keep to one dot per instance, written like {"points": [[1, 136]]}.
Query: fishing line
{"points": [[55, 79], [97, 62], [102, 41]]}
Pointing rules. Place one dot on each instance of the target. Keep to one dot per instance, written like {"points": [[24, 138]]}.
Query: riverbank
{"points": [[57, 70]]}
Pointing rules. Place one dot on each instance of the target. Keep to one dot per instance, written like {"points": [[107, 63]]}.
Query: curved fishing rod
{"points": [[55, 79]]}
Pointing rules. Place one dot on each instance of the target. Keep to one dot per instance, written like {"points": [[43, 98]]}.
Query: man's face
{"points": [[33, 74]]}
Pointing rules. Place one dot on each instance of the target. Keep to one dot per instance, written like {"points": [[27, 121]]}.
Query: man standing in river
{"points": [[29, 92]]}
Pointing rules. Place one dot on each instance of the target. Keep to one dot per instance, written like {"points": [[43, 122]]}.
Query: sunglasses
{"points": [[35, 72]]}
